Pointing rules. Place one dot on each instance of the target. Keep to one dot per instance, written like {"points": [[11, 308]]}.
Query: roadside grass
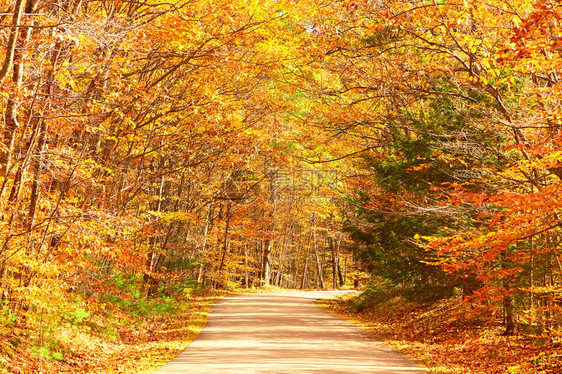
{"points": [[121, 332], [124, 336], [436, 337]]}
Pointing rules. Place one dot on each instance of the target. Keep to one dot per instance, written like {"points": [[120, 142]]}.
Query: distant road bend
{"points": [[284, 333]]}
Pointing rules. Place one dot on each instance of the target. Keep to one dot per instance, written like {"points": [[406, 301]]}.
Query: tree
{"points": [[451, 105]]}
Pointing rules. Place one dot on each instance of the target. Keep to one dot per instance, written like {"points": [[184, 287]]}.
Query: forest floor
{"points": [[437, 338], [116, 342]]}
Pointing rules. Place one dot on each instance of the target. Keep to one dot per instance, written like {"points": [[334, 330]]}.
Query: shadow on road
{"points": [[284, 333]]}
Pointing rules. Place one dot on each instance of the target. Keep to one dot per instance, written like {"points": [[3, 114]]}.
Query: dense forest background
{"points": [[149, 148]]}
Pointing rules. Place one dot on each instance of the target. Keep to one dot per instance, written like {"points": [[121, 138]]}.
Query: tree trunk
{"points": [[335, 262], [509, 322], [246, 272], [36, 186], [11, 48], [225, 239], [12, 54], [208, 223], [266, 262], [200, 274], [305, 268], [319, 270], [343, 277]]}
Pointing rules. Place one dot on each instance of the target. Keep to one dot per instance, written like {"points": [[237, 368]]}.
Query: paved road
{"points": [[284, 333]]}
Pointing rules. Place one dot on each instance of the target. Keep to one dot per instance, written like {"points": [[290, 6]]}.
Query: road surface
{"points": [[284, 333]]}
